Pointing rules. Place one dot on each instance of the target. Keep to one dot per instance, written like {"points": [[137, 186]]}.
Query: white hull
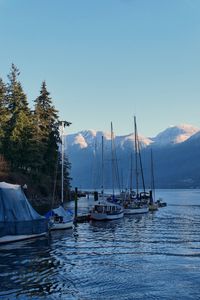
{"points": [[16, 238], [133, 211], [104, 216], [59, 226]]}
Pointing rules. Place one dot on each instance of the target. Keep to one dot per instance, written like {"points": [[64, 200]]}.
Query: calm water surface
{"points": [[154, 256]]}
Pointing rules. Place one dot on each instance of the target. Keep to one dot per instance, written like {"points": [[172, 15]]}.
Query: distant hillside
{"points": [[176, 153]]}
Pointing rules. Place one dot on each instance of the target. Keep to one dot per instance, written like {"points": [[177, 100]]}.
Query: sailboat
{"points": [[59, 218], [114, 173], [103, 209], [135, 202]]}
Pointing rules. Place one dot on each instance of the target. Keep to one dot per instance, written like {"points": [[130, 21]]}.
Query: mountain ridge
{"points": [[171, 135], [175, 150]]}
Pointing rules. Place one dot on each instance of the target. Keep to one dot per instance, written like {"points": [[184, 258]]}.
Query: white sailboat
{"points": [[103, 209], [59, 218], [134, 203]]}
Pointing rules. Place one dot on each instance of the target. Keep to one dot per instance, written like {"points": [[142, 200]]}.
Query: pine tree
{"points": [[46, 133], [47, 141], [4, 114], [19, 126], [29, 141], [67, 178]]}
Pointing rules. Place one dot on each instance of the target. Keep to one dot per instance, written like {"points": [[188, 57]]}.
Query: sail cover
{"points": [[67, 215], [17, 216]]}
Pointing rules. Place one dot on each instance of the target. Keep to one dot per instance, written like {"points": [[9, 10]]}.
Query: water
{"points": [[154, 256]]}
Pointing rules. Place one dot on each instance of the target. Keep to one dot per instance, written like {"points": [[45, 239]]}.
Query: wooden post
{"points": [[76, 204]]}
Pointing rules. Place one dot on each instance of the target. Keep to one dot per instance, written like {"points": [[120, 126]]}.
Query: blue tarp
{"points": [[67, 215], [17, 216]]}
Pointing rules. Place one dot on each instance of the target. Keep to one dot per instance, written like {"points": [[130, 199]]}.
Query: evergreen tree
{"points": [[67, 178], [19, 126], [47, 141], [29, 141], [4, 115], [46, 133]]}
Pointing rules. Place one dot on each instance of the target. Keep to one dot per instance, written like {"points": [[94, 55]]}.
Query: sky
{"points": [[107, 60]]}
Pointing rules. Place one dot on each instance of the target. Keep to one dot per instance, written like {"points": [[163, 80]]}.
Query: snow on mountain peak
{"points": [[130, 139], [79, 140], [175, 134], [171, 135], [87, 138]]}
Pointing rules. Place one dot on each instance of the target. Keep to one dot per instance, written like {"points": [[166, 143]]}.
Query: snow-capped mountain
{"points": [[170, 136], [176, 154], [175, 135], [92, 138]]}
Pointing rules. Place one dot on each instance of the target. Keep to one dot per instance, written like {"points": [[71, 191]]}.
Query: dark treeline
{"points": [[29, 139]]}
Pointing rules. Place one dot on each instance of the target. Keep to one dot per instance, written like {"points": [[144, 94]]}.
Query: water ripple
{"points": [[155, 256]]}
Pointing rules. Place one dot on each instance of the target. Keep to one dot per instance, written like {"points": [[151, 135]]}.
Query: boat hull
{"points": [[134, 211], [60, 226], [104, 216], [16, 238]]}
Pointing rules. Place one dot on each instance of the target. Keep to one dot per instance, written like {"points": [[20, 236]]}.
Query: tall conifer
{"points": [[46, 131], [19, 125], [4, 115]]}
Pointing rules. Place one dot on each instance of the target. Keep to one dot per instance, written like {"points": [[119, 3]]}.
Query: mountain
{"points": [[175, 150], [175, 135]]}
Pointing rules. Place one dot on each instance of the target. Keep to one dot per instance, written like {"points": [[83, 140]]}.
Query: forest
{"points": [[30, 141]]}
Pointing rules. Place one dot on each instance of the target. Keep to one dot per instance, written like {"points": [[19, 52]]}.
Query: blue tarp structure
{"points": [[67, 215], [17, 216]]}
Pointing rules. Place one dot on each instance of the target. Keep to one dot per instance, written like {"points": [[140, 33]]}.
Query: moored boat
{"points": [[18, 219], [59, 218], [133, 204], [161, 203], [105, 210], [135, 207], [133, 201]]}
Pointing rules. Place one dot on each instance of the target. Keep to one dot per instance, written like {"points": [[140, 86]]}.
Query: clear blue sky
{"points": [[107, 60]]}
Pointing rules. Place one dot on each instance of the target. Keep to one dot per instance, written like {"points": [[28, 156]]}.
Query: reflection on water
{"points": [[154, 256]]}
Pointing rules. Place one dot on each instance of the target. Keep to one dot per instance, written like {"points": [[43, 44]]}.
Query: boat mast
{"points": [[94, 165], [131, 174], [115, 169], [112, 159], [141, 167], [63, 124], [136, 153], [102, 163], [152, 176]]}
